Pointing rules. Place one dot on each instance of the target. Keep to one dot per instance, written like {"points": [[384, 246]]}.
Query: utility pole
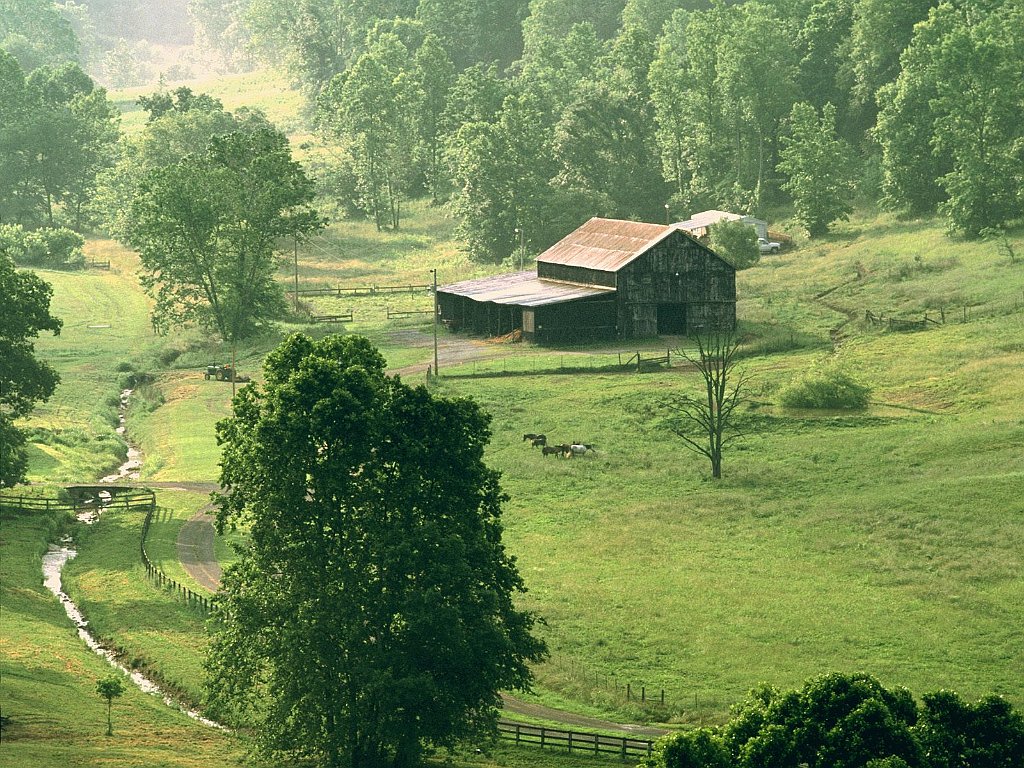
{"points": [[434, 273], [666, 215], [295, 242], [522, 247]]}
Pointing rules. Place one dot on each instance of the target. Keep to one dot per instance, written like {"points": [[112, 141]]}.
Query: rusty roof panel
{"points": [[606, 245], [522, 289]]}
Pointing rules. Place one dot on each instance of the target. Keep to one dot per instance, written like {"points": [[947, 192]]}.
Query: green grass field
{"points": [[48, 678], [889, 541]]}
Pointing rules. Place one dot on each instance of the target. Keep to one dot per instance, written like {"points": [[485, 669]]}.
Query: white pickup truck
{"points": [[768, 246]]}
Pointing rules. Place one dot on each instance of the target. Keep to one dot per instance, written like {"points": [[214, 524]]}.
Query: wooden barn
{"points": [[607, 279]]}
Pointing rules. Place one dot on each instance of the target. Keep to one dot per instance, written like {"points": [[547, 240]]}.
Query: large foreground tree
{"points": [[207, 226], [372, 612], [24, 380]]}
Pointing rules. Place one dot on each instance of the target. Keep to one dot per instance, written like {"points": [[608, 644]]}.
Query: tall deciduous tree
{"points": [[36, 33], [476, 31], [372, 612], [206, 229], [950, 129], [818, 168], [433, 77], [501, 173], [57, 132], [24, 380], [735, 242], [371, 107]]}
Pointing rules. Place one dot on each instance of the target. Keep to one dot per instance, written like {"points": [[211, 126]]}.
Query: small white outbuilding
{"points": [[699, 224]]}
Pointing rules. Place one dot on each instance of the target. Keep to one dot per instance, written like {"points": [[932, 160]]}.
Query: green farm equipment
{"points": [[223, 373]]}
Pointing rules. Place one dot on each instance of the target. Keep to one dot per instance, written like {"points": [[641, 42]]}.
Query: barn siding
{"points": [[576, 321], [687, 283]]}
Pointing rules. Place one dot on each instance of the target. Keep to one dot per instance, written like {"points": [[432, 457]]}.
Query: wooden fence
{"points": [[14, 504], [593, 743], [647, 363], [194, 599], [401, 314], [344, 317], [361, 290], [903, 324], [140, 499], [599, 363], [91, 264]]}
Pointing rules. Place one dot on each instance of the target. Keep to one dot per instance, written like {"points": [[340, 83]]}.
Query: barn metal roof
{"points": [[606, 245], [523, 289]]}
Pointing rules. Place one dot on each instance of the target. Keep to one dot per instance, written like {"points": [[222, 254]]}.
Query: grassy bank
{"points": [[48, 682]]}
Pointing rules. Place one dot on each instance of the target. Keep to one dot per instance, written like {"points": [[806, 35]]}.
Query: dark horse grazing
{"points": [[551, 450], [531, 436], [539, 440]]}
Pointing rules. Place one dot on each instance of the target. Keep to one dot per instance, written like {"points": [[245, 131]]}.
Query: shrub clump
{"points": [[831, 388], [58, 248]]}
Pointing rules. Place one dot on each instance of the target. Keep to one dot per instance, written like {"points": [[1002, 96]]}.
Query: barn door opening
{"points": [[671, 319]]}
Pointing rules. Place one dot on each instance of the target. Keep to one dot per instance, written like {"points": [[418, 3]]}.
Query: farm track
{"points": [[196, 552]]}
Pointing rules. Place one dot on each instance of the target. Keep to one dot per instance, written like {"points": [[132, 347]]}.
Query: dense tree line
{"points": [[58, 131], [535, 115], [852, 721]]}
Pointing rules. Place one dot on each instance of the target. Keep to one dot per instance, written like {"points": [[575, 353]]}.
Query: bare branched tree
{"points": [[705, 422]]}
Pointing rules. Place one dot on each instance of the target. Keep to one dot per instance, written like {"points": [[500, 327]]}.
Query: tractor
{"points": [[223, 373]]}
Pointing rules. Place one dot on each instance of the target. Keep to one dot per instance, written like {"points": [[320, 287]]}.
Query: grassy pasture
{"points": [[263, 90], [106, 326], [888, 541]]}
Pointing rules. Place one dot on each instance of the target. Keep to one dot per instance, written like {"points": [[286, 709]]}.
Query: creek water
{"points": [[58, 555]]}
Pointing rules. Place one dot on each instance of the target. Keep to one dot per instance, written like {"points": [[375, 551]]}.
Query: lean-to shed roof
{"points": [[606, 245], [522, 289]]}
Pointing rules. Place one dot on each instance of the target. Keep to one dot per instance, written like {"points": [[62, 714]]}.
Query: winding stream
{"points": [[59, 554]]}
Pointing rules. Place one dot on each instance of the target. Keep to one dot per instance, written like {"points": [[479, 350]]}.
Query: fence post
{"points": [[518, 728], [643, 693], [570, 742], [629, 691], [623, 747], [542, 738]]}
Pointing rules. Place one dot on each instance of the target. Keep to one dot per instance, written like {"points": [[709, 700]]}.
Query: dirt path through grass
{"points": [[451, 350], [196, 552]]}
